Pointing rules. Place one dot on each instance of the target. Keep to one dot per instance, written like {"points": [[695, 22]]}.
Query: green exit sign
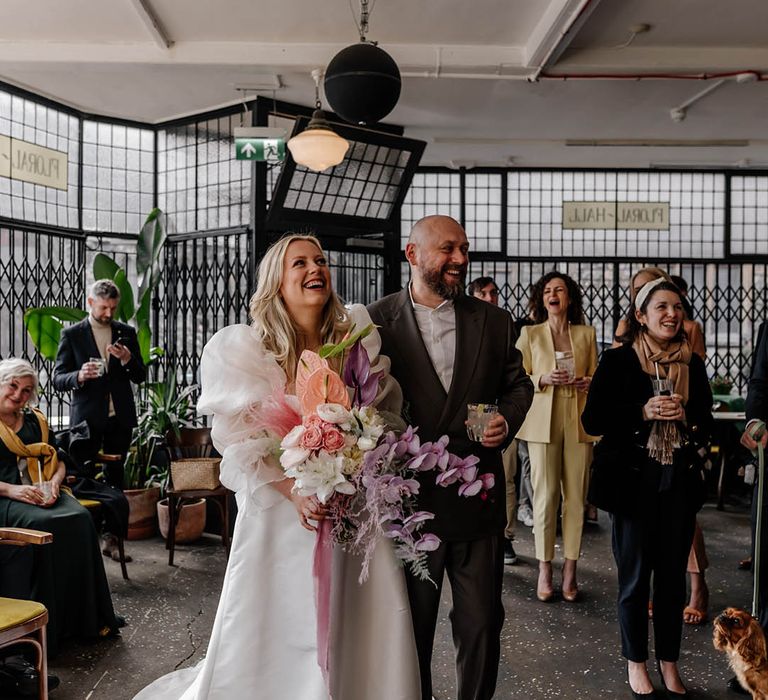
{"points": [[260, 149], [259, 144]]}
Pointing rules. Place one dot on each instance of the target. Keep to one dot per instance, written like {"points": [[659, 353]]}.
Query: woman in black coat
{"points": [[649, 460]]}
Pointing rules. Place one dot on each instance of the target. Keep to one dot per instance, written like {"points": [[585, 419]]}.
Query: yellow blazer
{"points": [[538, 350]]}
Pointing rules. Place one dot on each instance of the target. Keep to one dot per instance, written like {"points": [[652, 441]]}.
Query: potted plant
{"points": [[162, 408], [721, 385]]}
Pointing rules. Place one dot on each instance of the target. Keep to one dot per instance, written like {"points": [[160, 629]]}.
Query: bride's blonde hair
{"points": [[271, 319]]}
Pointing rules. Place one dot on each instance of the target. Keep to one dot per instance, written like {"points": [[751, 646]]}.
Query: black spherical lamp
{"points": [[362, 83]]}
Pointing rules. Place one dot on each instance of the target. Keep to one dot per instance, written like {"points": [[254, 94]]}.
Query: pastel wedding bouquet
{"points": [[341, 449]]}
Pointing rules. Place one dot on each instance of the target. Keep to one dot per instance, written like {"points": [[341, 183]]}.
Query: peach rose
{"points": [[314, 421], [333, 440], [313, 438]]}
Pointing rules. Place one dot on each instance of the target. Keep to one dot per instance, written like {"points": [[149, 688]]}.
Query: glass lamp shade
{"points": [[318, 147]]}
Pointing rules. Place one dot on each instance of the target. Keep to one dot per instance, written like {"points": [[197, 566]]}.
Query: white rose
{"points": [[366, 443], [334, 413], [293, 438], [293, 457]]}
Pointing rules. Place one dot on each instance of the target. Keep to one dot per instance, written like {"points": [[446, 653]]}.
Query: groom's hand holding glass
{"points": [[488, 417]]}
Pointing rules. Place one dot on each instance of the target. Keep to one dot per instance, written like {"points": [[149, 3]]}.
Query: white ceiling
{"points": [[484, 81]]}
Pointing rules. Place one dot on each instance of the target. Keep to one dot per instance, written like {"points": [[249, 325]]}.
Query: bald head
{"points": [[434, 226], [437, 252]]}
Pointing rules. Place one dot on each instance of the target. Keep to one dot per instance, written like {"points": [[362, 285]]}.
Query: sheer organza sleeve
{"points": [[389, 400], [237, 374]]}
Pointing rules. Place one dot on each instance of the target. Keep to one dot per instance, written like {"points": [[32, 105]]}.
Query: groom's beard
{"points": [[435, 279]]}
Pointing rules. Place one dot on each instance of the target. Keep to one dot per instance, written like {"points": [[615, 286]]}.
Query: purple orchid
{"points": [[471, 488], [358, 376], [431, 455], [427, 543]]}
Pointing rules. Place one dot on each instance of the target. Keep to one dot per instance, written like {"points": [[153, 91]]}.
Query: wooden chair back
{"points": [[191, 442]]}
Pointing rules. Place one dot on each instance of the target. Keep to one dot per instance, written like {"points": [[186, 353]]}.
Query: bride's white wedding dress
{"points": [[263, 644]]}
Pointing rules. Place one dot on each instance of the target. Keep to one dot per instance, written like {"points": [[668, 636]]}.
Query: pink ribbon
{"points": [[321, 571]]}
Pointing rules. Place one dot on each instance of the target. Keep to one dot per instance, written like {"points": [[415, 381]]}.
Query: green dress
{"points": [[69, 577]]}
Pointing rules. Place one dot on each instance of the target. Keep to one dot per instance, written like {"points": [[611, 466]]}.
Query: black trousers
{"points": [[762, 593], [653, 544], [475, 571], [113, 438]]}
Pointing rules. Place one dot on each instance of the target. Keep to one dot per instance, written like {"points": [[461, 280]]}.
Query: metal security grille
{"points": [[38, 267], [205, 286], [358, 278]]}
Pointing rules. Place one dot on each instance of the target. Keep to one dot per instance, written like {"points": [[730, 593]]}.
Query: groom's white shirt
{"points": [[438, 331]]}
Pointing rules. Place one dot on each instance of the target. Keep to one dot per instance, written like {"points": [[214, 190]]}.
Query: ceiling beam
{"points": [[152, 23], [269, 56], [555, 31]]}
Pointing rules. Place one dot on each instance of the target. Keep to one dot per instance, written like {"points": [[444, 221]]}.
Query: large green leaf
{"points": [[144, 336], [104, 267], [125, 309], [149, 247], [44, 326]]}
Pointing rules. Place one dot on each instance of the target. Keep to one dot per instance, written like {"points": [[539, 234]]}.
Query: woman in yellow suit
{"points": [[560, 355]]}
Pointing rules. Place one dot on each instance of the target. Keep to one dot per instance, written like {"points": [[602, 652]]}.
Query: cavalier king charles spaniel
{"points": [[740, 636]]}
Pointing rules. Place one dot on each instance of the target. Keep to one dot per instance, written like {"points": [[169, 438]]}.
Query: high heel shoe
{"points": [[544, 590], [643, 696], [570, 596], [545, 596], [670, 693]]}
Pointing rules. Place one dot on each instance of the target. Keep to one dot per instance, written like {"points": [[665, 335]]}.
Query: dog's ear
{"points": [[751, 646]]}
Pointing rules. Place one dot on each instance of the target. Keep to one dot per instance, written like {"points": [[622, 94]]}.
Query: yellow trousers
{"points": [[560, 468], [509, 459]]}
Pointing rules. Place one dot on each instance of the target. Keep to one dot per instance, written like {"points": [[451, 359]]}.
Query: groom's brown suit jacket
{"points": [[487, 369]]}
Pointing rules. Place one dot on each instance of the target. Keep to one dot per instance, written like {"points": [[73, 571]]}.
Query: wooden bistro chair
{"points": [[24, 621], [190, 450], [93, 507]]}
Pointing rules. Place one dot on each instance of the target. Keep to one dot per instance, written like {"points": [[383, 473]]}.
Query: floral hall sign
{"points": [[20, 160], [616, 215]]}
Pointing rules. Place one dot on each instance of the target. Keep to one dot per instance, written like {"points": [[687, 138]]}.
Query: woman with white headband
{"points": [[651, 402]]}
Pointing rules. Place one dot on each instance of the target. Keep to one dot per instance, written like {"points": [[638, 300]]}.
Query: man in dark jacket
{"points": [[448, 350], [97, 360]]}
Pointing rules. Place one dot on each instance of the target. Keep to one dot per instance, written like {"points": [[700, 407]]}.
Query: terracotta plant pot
{"points": [[142, 512], [191, 521]]}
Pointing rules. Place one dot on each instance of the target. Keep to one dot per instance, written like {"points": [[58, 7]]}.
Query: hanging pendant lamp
{"points": [[318, 147]]}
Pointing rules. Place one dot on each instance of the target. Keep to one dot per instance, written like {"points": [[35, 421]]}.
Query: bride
{"points": [[263, 643]]}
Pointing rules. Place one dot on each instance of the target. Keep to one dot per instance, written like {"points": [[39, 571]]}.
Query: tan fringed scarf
{"points": [[671, 362], [35, 453]]}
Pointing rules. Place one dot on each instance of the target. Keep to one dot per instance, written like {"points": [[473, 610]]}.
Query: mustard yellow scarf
{"points": [[35, 453]]}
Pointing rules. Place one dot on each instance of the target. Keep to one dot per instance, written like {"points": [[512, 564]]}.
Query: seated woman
{"points": [[69, 577]]}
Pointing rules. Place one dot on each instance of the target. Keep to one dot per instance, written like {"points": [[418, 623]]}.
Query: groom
{"points": [[447, 350]]}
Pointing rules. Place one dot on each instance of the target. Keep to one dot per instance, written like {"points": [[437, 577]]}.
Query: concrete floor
{"points": [[556, 650]]}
